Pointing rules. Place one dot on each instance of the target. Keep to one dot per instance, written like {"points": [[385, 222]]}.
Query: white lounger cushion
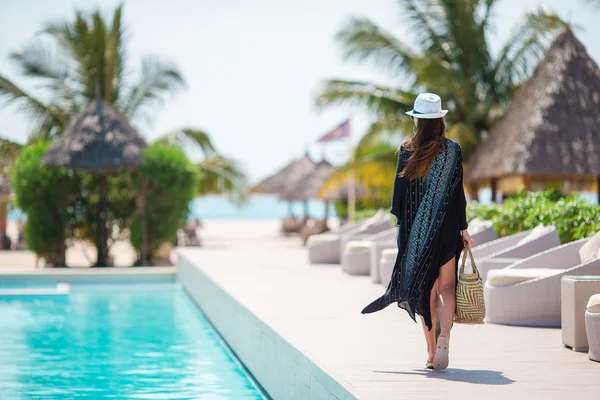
{"points": [[355, 245], [510, 276], [535, 233], [477, 225], [591, 250], [593, 304], [389, 254]]}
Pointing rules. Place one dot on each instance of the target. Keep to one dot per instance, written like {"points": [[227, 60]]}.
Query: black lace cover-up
{"points": [[430, 214]]}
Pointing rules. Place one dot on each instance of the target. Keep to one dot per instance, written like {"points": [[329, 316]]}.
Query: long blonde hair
{"points": [[425, 145]]}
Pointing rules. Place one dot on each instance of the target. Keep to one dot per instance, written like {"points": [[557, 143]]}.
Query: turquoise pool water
{"points": [[114, 341]]}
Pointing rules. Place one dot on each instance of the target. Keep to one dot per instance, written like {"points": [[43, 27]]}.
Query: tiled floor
{"points": [[381, 356]]}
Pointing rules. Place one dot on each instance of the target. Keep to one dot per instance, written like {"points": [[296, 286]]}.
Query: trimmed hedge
{"points": [[49, 197], [170, 181], [573, 217]]}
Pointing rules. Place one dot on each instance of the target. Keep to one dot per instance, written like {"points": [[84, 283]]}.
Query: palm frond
{"points": [[595, 3], [363, 40], [486, 13], [373, 170], [115, 56], [78, 42], [39, 61], [376, 98], [194, 142], [158, 80], [392, 128], [526, 46], [221, 175], [425, 25], [467, 138], [49, 118], [9, 151]]}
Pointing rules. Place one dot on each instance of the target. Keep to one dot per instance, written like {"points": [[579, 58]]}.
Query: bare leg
{"points": [[447, 291], [430, 334]]}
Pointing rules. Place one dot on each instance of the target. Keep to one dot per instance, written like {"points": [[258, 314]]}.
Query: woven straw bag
{"points": [[470, 306]]}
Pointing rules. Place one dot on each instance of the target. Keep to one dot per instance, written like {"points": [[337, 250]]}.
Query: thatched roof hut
{"points": [[292, 172], [99, 139], [551, 131], [308, 186]]}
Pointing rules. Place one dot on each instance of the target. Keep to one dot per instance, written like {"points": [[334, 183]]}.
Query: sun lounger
{"points": [[386, 265], [503, 252], [356, 256], [325, 248], [528, 293], [364, 232], [482, 231]]}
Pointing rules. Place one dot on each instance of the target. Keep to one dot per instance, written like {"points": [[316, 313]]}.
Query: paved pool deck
{"points": [[316, 310]]}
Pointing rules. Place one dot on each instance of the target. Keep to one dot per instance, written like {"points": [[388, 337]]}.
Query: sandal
{"points": [[440, 361], [429, 365]]}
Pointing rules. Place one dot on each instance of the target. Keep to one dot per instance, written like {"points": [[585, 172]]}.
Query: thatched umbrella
{"points": [[551, 131], [309, 185], [292, 172], [99, 140]]}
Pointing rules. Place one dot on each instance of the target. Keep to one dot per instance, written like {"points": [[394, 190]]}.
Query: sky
{"points": [[252, 68]]}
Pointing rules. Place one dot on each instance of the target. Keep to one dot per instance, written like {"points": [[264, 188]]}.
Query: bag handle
{"points": [[467, 249]]}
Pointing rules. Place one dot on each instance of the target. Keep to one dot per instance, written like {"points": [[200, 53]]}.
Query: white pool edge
{"points": [[71, 275], [282, 370]]}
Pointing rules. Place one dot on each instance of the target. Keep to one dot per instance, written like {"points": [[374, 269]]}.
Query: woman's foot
{"points": [[429, 363], [441, 358]]}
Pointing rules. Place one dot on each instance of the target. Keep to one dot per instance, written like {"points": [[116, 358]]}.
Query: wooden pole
{"points": [[3, 241], [101, 223], [494, 187], [142, 204], [351, 185], [527, 183], [474, 191], [305, 210], [598, 187]]}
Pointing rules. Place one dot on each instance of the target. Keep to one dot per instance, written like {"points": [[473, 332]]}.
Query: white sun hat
{"points": [[427, 106]]}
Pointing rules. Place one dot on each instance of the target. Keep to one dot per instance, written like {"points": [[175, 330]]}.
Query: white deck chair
{"points": [[325, 247], [356, 256], [527, 293], [503, 252], [364, 231]]}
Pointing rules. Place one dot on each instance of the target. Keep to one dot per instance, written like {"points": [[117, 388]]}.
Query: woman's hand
{"points": [[466, 238]]}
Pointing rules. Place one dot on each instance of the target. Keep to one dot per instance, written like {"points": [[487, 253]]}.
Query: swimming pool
{"points": [[117, 341]]}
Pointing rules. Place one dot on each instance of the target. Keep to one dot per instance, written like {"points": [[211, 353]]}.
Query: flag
{"points": [[342, 131]]}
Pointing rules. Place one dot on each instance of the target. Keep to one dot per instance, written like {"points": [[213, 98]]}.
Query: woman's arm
{"points": [[463, 205], [467, 240]]}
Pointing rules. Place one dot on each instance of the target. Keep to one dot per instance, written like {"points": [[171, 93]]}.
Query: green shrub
{"points": [[574, 218], [49, 197], [170, 181]]}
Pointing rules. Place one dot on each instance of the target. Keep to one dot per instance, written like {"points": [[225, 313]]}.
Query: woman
{"points": [[429, 204]]}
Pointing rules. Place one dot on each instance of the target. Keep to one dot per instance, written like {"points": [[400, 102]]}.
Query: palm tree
{"points": [[73, 60], [452, 57]]}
